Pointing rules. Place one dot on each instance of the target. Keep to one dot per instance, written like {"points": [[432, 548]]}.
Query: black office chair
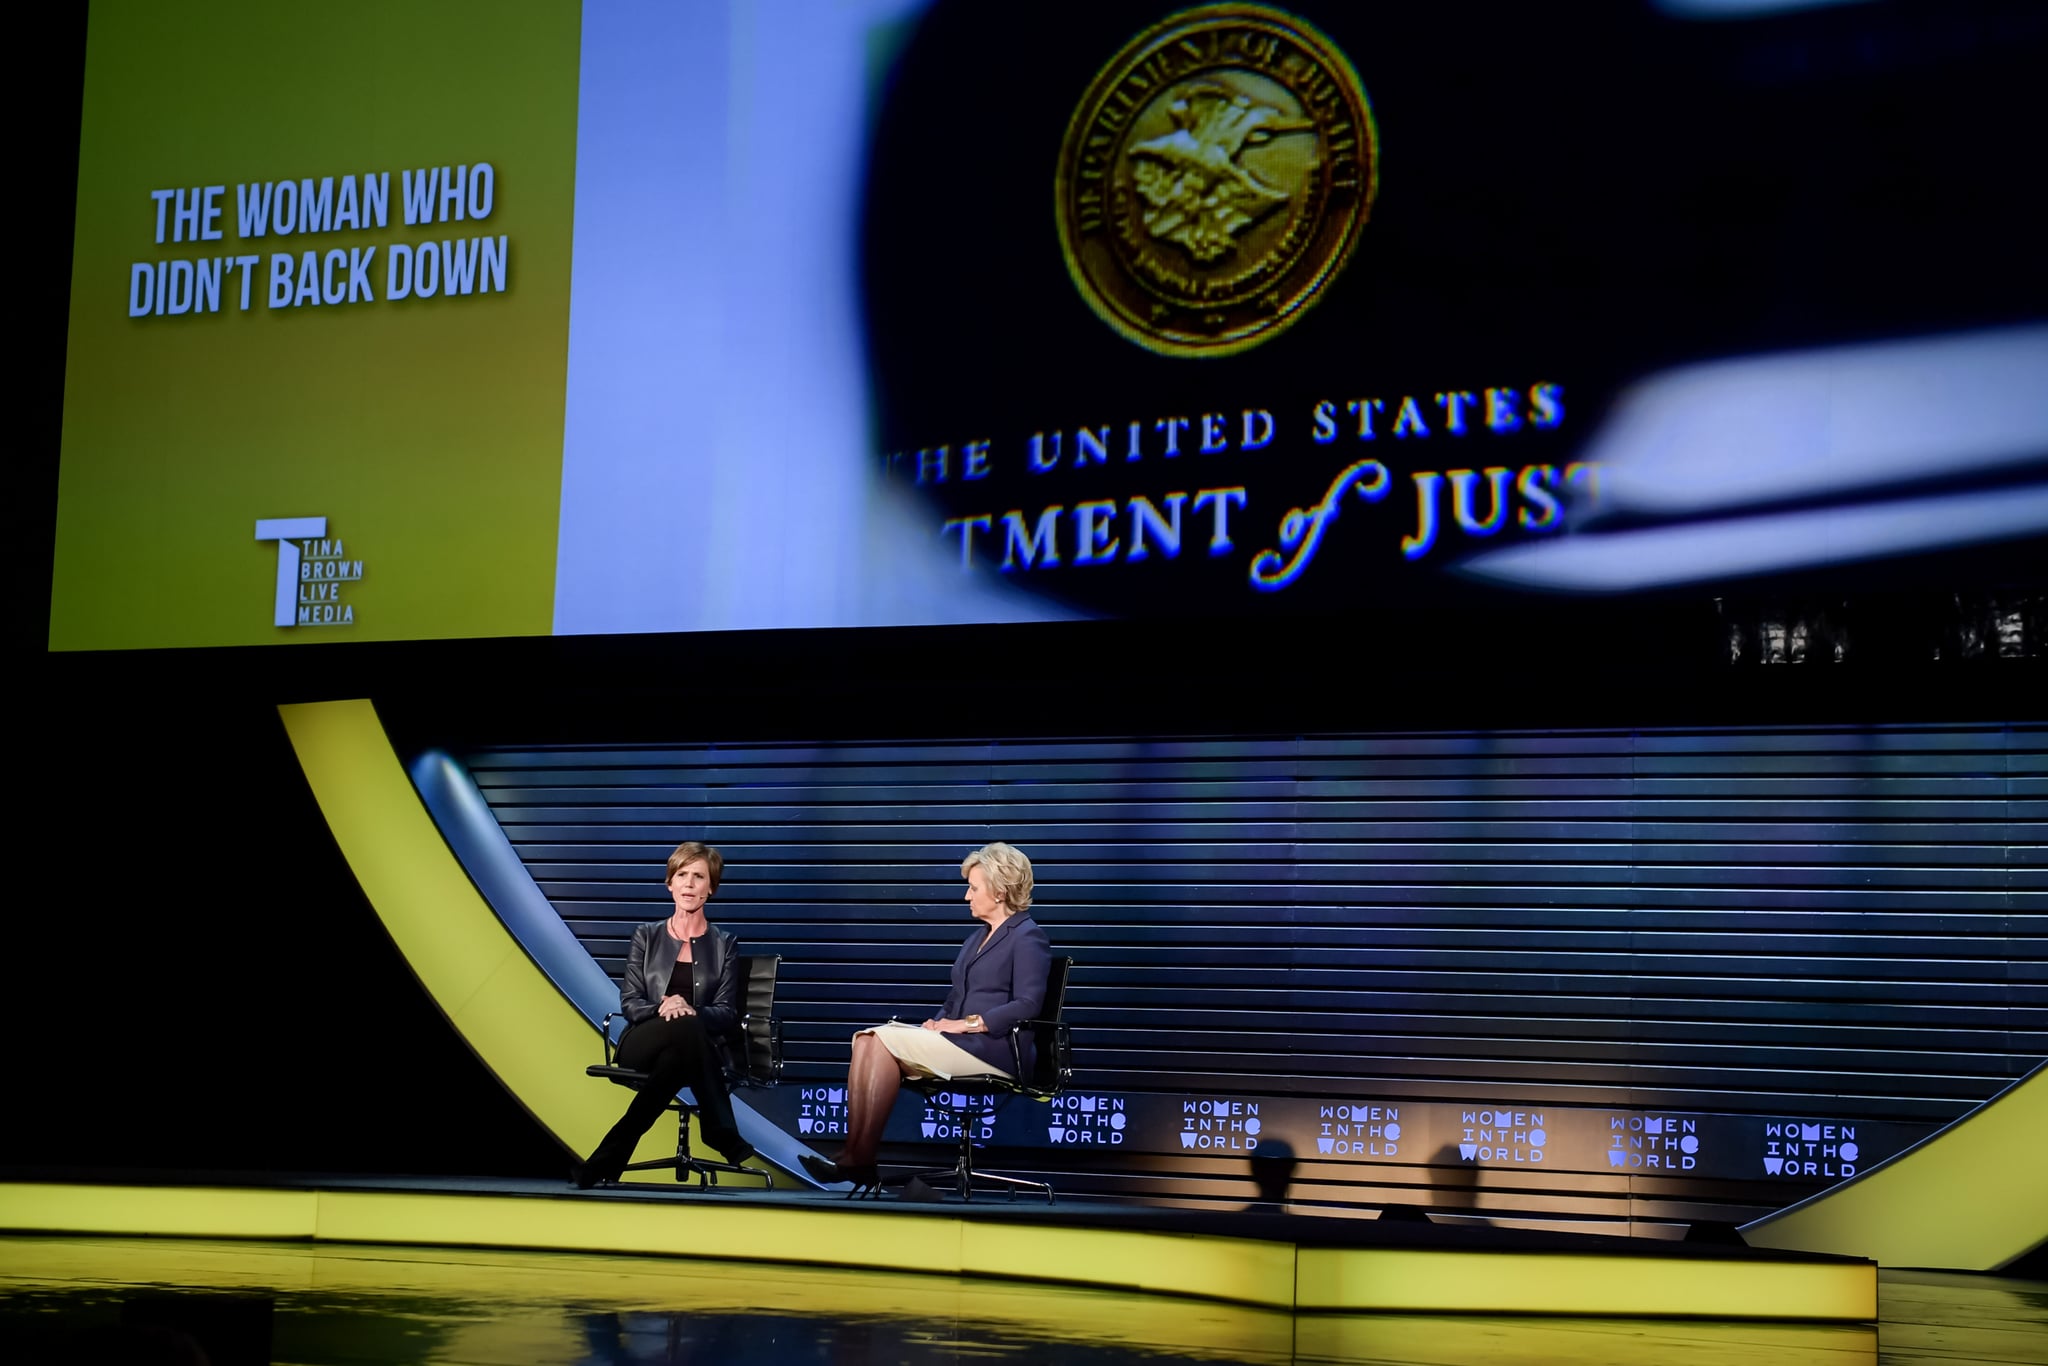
{"points": [[754, 1058], [961, 1099]]}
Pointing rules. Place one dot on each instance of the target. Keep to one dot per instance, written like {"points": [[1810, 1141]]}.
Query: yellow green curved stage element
{"points": [[504, 1306], [503, 1006], [1972, 1196], [820, 1231]]}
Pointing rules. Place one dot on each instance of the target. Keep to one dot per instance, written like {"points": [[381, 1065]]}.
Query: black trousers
{"points": [[675, 1053]]}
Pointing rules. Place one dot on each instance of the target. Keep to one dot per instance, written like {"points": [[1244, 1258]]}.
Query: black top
{"points": [[679, 983]]}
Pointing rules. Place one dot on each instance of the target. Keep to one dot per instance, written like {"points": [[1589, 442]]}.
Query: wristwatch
{"points": [[979, 1027]]}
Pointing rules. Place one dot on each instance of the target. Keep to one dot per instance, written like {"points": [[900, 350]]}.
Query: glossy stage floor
{"points": [[353, 1270], [76, 1300], [1266, 1257]]}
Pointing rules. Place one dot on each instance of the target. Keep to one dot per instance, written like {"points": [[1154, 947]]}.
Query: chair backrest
{"points": [[758, 1047], [1052, 1064], [1056, 988]]}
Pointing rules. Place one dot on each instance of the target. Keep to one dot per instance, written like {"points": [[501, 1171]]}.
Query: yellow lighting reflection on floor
{"points": [[803, 1230], [463, 1305]]}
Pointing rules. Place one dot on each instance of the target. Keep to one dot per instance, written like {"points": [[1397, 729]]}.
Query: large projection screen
{"points": [[461, 319]]}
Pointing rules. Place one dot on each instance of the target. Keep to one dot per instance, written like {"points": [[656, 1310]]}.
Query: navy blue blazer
{"points": [[1005, 985]]}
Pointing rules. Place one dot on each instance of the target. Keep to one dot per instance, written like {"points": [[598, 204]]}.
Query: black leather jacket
{"points": [[714, 976]]}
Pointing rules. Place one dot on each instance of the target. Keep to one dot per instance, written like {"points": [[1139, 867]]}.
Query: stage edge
{"points": [[1263, 1273]]}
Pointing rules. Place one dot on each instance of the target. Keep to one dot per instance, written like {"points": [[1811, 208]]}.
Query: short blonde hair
{"points": [[689, 852], [1008, 873]]}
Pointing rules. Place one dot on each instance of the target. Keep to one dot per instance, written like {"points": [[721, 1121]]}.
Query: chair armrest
{"points": [[1062, 1044], [745, 1070], [740, 1068]]}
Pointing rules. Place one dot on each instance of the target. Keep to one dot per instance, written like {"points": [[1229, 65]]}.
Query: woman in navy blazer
{"points": [[998, 983]]}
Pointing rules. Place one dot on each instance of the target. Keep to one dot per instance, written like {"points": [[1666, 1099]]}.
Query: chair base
{"points": [[963, 1177], [706, 1171]]}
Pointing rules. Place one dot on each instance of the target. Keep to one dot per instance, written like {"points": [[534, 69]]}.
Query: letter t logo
{"points": [[285, 530]]}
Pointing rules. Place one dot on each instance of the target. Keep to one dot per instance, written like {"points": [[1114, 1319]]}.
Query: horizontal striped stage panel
{"points": [[1269, 1260], [1595, 978]]}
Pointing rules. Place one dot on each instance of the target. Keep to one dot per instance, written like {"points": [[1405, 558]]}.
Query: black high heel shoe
{"points": [[865, 1179], [602, 1167]]}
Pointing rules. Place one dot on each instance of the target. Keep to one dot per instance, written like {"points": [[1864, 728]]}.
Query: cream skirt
{"points": [[929, 1053]]}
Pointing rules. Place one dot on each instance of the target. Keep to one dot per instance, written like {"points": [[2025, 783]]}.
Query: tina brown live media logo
{"points": [[1215, 178], [313, 572]]}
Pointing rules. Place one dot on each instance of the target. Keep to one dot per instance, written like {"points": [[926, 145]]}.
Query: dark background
{"points": [[196, 983]]}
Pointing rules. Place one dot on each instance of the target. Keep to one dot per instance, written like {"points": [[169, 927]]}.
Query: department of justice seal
{"points": [[1215, 178]]}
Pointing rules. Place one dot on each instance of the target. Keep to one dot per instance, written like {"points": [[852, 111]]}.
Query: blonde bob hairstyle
{"points": [[689, 852], [1006, 871]]}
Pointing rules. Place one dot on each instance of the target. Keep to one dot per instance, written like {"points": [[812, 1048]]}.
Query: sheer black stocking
{"points": [[872, 1084]]}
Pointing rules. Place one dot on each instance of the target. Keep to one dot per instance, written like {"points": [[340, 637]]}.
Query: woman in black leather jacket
{"points": [[681, 998]]}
